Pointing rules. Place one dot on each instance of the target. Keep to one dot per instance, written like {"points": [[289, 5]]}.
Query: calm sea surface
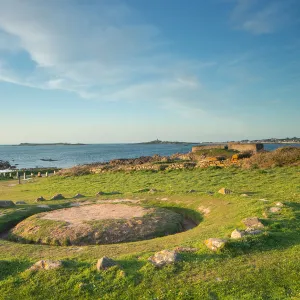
{"points": [[67, 156]]}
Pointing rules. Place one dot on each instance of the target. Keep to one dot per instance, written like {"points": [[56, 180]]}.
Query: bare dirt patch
{"points": [[95, 212]]}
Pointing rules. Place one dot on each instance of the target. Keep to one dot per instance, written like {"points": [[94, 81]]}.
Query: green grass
{"points": [[260, 267]]}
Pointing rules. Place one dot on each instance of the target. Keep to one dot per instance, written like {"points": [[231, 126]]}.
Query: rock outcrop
{"points": [[46, 265], [6, 203]]}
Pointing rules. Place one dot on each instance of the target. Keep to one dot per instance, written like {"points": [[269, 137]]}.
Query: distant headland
{"points": [[50, 144], [167, 142]]}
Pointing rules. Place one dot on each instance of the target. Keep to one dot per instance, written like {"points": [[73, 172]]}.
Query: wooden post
{"points": [[19, 177]]}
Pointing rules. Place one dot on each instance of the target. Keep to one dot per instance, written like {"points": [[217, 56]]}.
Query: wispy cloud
{"points": [[261, 17]]}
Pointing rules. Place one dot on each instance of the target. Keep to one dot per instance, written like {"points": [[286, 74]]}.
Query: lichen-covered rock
{"points": [[164, 257], [104, 263], [58, 197], [215, 244], [39, 199], [77, 196], [275, 209], [6, 203], [224, 191], [46, 265], [253, 222], [237, 234]]}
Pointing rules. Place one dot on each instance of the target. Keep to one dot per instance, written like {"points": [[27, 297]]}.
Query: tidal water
{"points": [[68, 156]]}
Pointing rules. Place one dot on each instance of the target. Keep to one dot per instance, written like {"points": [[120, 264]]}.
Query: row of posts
{"points": [[19, 175]]}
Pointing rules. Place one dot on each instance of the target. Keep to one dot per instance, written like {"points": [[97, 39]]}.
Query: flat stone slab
{"points": [[253, 222], [215, 244], [6, 203]]}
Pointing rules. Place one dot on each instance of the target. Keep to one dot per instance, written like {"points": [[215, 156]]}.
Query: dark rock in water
{"points": [[4, 165], [58, 197], [6, 203], [39, 199], [164, 257], [105, 263], [48, 159]]}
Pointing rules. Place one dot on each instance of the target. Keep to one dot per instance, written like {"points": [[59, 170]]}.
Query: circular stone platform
{"points": [[97, 224]]}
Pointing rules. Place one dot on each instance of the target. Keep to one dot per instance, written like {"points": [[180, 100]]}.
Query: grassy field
{"points": [[266, 266]]}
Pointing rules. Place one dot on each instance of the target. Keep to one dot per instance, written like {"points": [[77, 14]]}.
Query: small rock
{"points": [[215, 244], [6, 203], [152, 191], [100, 193], [58, 197], [105, 263], [237, 234], [244, 195], [46, 265], [275, 209], [164, 257], [164, 199], [185, 249], [209, 192], [74, 204], [39, 199], [20, 202], [224, 191], [192, 191], [43, 206], [77, 196], [253, 231], [280, 204], [253, 222]]}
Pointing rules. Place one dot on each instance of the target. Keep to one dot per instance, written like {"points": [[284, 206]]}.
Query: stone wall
{"points": [[254, 148], [207, 147]]}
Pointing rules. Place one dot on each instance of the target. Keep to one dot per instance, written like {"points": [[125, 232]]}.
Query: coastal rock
{"points": [[253, 222], [224, 191], [46, 265], [104, 263], [39, 199], [275, 209], [6, 203], [164, 257], [237, 234], [77, 196], [215, 244], [20, 202], [58, 197]]}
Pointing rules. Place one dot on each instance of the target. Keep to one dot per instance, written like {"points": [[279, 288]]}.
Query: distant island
{"points": [[50, 144], [167, 142]]}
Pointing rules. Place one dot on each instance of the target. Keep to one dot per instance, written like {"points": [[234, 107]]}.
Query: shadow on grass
{"points": [[13, 267]]}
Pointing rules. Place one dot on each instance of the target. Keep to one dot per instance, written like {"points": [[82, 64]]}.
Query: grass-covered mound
{"points": [[97, 224]]}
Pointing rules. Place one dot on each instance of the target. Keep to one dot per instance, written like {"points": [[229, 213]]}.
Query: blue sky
{"points": [[136, 70]]}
